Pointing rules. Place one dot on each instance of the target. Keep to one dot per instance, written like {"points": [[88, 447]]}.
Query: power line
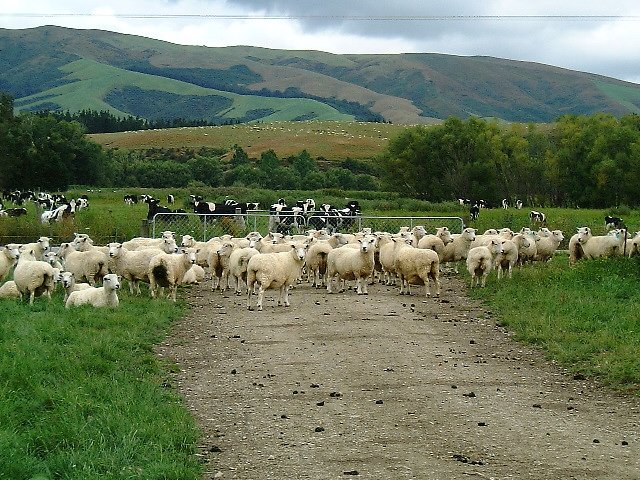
{"points": [[381, 18]]}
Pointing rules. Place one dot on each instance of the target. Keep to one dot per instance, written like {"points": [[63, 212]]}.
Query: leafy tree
{"points": [[207, 170], [304, 164]]}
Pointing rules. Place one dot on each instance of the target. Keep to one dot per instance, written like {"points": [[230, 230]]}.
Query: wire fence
{"points": [[204, 227]]}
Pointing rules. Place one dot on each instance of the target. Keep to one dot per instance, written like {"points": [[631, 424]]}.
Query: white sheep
{"points": [[436, 242], [633, 245], [89, 266], [459, 247], [417, 266], [132, 265], [528, 254], [352, 264], [101, 297], [69, 284], [146, 242], [316, 262], [238, 261], [480, 261], [9, 290], [9, 255], [585, 245], [52, 259], [33, 277], [548, 243], [219, 265], [39, 248], [387, 246], [508, 257], [167, 270], [275, 270], [194, 275], [83, 243]]}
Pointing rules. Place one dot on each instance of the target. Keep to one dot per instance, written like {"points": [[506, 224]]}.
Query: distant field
{"points": [[327, 139]]}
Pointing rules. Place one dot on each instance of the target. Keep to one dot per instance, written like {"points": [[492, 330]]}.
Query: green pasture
{"points": [[585, 318], [84, 396]]}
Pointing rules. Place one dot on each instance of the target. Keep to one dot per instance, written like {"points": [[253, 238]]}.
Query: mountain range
{"points": [[56, 68]]}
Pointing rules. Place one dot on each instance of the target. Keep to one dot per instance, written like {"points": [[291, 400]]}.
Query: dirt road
{"points": [[388, 387]]}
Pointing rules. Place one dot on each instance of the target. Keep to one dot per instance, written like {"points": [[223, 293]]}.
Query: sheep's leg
{"points": [[329, 284], [32, 295], [436, 281], [362, 284], [286, 295], [249, 293], [260, 297]]}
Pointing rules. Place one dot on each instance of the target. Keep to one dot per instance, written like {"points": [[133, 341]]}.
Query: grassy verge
{"points": [[587, 318], [82, 397]]}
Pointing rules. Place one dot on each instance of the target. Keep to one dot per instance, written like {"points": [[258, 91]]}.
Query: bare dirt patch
{"points": [[385, 386]]}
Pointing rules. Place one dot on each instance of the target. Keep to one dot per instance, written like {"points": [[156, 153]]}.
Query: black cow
{"points": [[613, 222], [16, 212], [538, 217], [155, 208], [333, 219], [474, 211]]}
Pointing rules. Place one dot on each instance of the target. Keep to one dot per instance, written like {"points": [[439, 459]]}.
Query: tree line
{"points": [[578, 161]]}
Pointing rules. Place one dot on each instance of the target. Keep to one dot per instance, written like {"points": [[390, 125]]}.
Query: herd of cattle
{"points": [[55, 207]]}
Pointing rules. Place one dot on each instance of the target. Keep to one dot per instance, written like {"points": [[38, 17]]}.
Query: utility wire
{"points": [[381, 18]]}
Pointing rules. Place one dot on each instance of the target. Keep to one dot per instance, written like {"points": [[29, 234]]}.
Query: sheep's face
{"points": [[111, 281], [584, 234], [169, 245], [469, 233], [557, 234], [300, 251], [67, 280], [168, 234], [187, 241], [445, 235], [368, 243], [44, 243], [190, 254], [12, 251], [114, 249], [496, 246], [419, 231]]}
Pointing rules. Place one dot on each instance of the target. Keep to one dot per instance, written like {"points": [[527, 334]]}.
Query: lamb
{"points": [[509, 255], [416, 266], [52, 259], [219, 265], [9, 255], [633, 245], [69, 284], [39, 248], [238, 261], [436, 242], [167, 270], [316, 262], [145, 242], [459, 247], [352, 264], [133, 265], [9, 290], [33, 277], [89, 266], [387, 245], [83, 243], [480, 261], [547, 245], [585, 245], [417, 233], [275, 270], [202, 248], [194, 275], [100, 297], [528, 254]]}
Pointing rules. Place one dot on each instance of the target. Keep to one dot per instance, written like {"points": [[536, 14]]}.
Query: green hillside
{"points": [[92, 83], [68, 69]]}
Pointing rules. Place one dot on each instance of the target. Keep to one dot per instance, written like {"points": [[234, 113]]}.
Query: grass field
{"points": [[332, 140], [585, 318], [83, 395]]}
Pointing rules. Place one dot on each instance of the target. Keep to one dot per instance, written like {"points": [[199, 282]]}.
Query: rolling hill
{"points": [[59, 68]]}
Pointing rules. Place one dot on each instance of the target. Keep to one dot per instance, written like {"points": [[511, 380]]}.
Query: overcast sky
{"points": [[586, 35]]}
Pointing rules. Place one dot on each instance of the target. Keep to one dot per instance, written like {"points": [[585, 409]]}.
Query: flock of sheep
{"points": [[254, 264]]}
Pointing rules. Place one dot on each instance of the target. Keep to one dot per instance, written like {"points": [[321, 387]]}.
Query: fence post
{"points": [[240, 219]]}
